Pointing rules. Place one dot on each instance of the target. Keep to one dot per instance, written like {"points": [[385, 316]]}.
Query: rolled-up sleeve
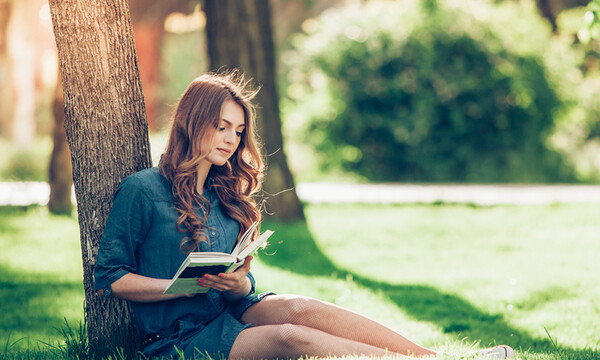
{"points": [[253, 283], [127, 225]]}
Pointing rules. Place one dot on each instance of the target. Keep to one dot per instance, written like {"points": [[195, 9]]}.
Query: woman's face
{"points": [[228, 134]]}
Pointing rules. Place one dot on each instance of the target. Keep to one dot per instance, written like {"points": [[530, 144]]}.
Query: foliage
{"points": [[578, 134], [181, 61], [460, 92], [28, 163], [591, 23]]}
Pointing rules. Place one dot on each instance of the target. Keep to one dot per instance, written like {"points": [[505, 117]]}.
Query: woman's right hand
{"points": [[234, 285]]}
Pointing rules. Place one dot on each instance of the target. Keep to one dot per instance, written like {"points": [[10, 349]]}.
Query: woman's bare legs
{"points": [[316, 321], [288, 340]]}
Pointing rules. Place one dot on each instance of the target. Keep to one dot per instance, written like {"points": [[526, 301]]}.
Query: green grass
{"points": [[451, 277], [40, 276]]}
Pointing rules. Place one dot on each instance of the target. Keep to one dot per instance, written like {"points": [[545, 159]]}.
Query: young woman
{"points": [[201, 198]]}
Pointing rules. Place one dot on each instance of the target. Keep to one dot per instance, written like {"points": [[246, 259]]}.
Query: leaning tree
{"points": [[106, 130]]}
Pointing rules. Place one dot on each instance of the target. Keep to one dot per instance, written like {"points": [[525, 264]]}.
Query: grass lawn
{"points": [[40, 276], [447, 276]]}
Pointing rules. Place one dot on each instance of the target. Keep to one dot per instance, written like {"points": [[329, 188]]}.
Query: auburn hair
{"points": [[237, 182]]}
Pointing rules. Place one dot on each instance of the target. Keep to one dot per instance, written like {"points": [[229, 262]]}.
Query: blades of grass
{"points": [[8, 345], [553, 341], [76, 344], [118, 354]]}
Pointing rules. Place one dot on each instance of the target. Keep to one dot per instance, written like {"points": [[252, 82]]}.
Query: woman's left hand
{"points": [[234, 285]]}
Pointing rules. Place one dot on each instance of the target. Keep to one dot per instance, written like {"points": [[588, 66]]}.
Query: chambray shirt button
{"points": [[213, 233]]}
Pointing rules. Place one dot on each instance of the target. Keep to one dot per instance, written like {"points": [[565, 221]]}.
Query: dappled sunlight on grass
{"points": [[37, 310], [506, 259], [449, 277], [40, 276], [36, 242], [474, 273], [348, 293]]}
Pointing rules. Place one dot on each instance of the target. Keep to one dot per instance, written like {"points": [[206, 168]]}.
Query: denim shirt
{"points": [[141, 237]]}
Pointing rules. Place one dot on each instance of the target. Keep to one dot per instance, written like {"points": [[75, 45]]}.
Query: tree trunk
{"points": [[106, 130], [147, 18], [545, 8], [60, 174], [5, 89], [20, 47], [149, 37], [239, 35]]}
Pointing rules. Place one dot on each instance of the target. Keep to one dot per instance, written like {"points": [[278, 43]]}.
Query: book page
{"points": [[185, 286], [252, 246], [245, 239]]}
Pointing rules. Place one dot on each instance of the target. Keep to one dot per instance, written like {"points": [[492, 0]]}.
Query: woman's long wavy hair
{"points": [[236, 183]]}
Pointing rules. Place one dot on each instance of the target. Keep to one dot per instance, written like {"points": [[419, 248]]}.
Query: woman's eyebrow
{"points": [[230, 123]]}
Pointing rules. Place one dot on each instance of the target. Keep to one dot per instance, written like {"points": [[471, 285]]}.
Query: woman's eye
{"points": [[239, 133]]}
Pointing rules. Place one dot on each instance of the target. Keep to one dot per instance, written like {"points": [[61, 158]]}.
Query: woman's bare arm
{"points": [[134, 287]]}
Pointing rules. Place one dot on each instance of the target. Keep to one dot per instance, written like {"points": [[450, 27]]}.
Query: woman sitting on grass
{"points": [[201, 195]]}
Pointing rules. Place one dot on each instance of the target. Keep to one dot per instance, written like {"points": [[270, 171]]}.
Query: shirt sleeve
{"points": [[253, 283], [126, 227]]}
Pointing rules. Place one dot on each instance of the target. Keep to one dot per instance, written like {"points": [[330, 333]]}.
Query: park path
{"points": [[448, 193], [26, 193]]}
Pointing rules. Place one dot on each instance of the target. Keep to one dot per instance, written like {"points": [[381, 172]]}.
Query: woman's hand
{"points": [[234, 285]]}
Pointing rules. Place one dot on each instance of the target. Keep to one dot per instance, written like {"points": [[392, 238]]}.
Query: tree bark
{"points": [[545, 8], [60, 174], [239, 35], [106, 130]]}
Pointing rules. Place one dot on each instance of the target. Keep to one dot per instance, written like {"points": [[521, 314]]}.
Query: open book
{"points": [[197, 264]]}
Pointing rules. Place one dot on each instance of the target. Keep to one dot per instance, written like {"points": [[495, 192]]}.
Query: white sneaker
{"points": [[497, 352]]}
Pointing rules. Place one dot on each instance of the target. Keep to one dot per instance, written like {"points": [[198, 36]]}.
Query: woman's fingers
{"points": [[227, 281]]}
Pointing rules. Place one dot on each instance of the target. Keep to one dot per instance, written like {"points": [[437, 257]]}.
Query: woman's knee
{"points": [[282, 309], [303, 308], [291, 336]]}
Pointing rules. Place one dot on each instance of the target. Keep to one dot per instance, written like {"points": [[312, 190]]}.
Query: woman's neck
{"points": [[202, 171]]}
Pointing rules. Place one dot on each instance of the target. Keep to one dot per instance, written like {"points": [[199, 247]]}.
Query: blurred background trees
{"points": [[240, 36], [457, 94], [501, 90], [442, 91]]}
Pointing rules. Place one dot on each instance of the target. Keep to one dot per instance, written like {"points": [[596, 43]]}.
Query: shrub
{"points": [[25, 163], [456, 93]]}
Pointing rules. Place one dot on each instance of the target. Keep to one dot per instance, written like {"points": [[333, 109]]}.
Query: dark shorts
{"points": [[213, 339]]}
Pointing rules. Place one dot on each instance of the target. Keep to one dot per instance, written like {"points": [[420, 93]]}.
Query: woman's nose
{"points": [[230, 137]]}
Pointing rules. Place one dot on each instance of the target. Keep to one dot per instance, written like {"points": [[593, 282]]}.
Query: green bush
{"points": [[463, 92], [28, 163]]}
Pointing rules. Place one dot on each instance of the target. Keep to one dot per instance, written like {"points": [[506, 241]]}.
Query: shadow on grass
{"points": [[7, 216], [453, 314], [29, 302]]}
